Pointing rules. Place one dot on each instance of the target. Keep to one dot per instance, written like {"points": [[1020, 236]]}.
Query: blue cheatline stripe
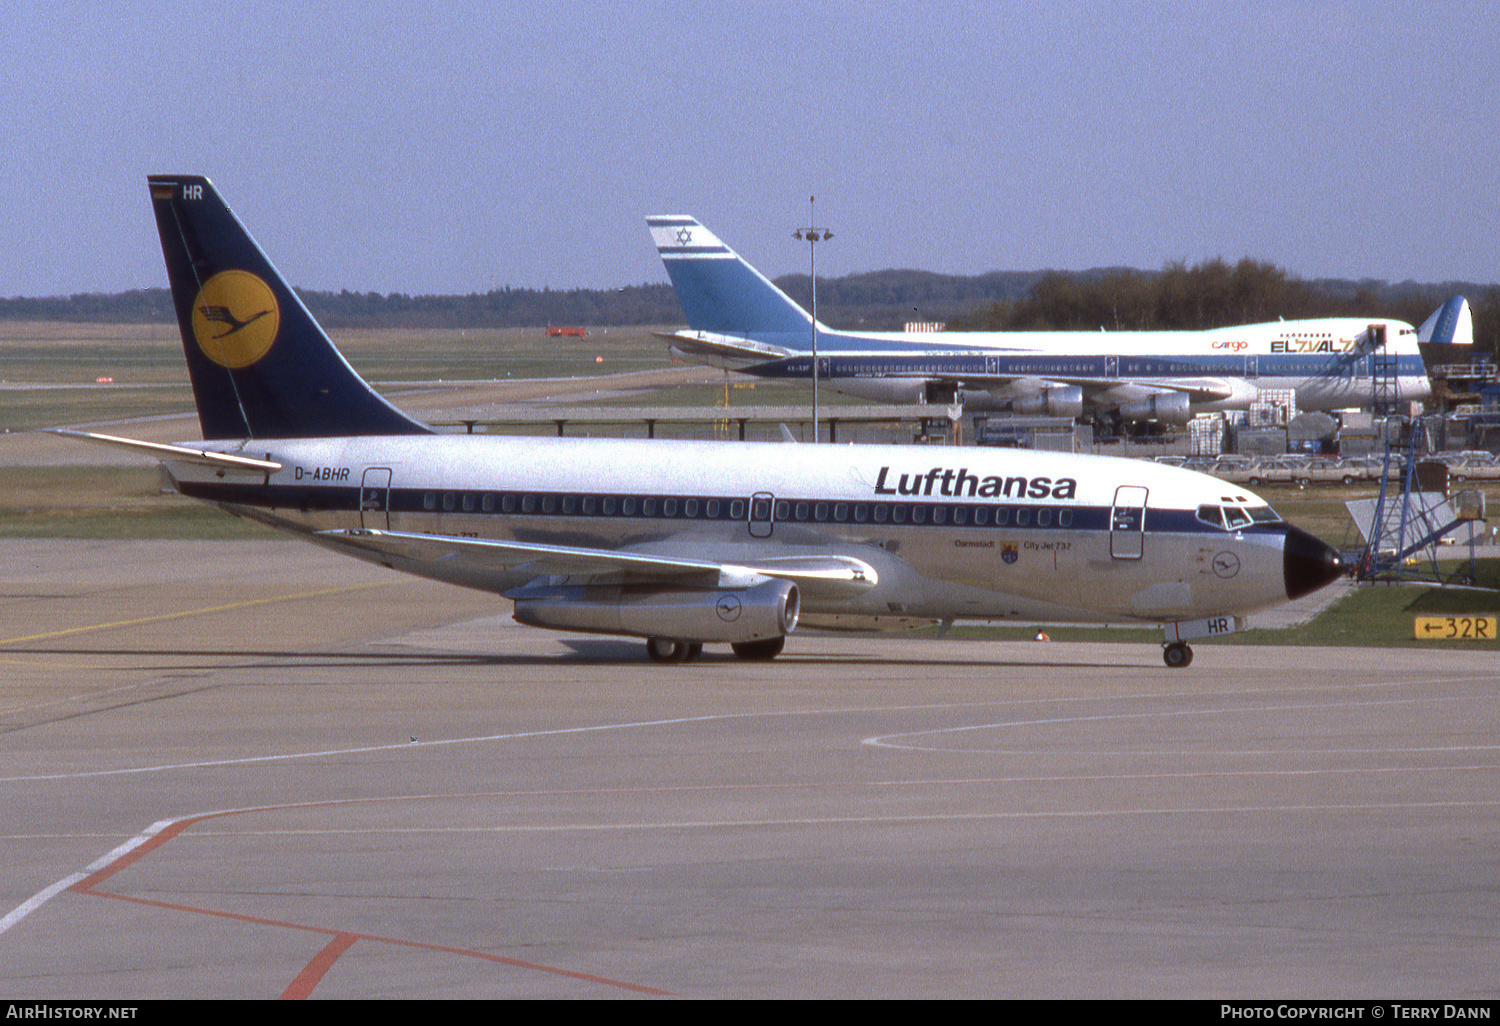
{"points": [[682, 252], [811, 512]]}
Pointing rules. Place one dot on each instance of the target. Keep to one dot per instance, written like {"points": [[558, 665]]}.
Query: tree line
{"points": [[1214, 294], [1210, 294]]}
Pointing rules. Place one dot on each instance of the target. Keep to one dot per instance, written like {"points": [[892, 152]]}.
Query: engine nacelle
{"points": [[766, 610], [1168, 408], [1062, 401], [893, 391]]}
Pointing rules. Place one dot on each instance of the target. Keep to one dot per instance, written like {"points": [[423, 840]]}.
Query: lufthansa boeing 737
{"points": [[738, 319], [685, 543]]}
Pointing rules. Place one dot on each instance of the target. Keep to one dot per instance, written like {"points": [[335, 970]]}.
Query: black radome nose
{"points": [[1309, 563]]}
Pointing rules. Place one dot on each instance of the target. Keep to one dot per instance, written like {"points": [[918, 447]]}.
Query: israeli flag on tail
{"points": [[720, 293]]}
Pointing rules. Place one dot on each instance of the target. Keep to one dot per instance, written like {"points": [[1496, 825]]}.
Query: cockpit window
{"points": [[1232, 518], [1235, 517]]}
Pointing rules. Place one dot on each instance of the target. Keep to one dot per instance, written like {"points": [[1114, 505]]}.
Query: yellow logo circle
{"points": [[235, 319]]}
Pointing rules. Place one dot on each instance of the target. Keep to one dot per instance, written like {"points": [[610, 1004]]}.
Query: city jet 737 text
{"points": [[687, 543], [738, 319]]}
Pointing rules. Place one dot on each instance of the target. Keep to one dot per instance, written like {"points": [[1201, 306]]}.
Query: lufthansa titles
{"points": [[960, 483]]}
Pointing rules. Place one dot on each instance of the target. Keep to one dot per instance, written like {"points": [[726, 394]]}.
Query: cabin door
{"points": [[375, 499], [1127, 522], [762, 506]]}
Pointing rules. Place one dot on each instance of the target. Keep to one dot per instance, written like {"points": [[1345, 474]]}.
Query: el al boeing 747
{"points": [[738, 319], [684, 543]]}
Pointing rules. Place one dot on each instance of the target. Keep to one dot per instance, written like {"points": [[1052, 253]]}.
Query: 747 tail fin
{"points": [[261, 366], [1451, 324], [720, 293]]}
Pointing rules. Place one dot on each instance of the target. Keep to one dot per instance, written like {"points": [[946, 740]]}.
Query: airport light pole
{"points": [[813, 235]]}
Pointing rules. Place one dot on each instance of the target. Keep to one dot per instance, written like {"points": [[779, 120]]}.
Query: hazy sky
{"points": [[454, 147]]}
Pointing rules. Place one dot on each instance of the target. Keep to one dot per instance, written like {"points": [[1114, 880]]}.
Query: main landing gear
{"points": [[1177, 655], [675, 650]]}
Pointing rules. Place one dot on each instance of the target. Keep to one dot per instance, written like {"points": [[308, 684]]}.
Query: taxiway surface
{"points": [[255, 769]]}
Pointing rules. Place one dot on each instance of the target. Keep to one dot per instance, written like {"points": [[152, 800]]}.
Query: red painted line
{"points": [[86, 885], [342, 940], [515, 963], [315, 970]]}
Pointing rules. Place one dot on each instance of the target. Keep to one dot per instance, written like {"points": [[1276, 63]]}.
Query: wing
{"points": [[826, 576], [1098, 390]]}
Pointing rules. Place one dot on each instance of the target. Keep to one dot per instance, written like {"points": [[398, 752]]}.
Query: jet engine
{"points": [[1061, 401], [736, 615], [1166, 408]]}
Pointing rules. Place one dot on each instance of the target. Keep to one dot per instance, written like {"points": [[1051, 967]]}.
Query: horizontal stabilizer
{"points": [[174, 453]]}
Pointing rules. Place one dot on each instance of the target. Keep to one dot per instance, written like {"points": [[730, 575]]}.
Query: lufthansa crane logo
{"points": [[235, 319], [728, 607]]}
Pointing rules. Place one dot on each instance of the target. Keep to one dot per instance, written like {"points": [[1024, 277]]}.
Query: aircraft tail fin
{"points": [[260, 365], [1451, 324], [721, 293]]}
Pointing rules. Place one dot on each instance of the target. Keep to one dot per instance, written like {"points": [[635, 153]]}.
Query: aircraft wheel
{"points": [[766, 649], [671, 650], [1177, 655]]}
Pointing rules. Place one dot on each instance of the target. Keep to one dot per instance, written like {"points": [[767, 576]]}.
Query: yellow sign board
{"points": [[1463, 627]]}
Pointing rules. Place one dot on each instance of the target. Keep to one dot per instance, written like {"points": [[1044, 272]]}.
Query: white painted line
{"points": [[45, 895]]}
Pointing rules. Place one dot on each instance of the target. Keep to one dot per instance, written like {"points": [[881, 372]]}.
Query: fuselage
{"points": [[952, 533], [1329, 363]]}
